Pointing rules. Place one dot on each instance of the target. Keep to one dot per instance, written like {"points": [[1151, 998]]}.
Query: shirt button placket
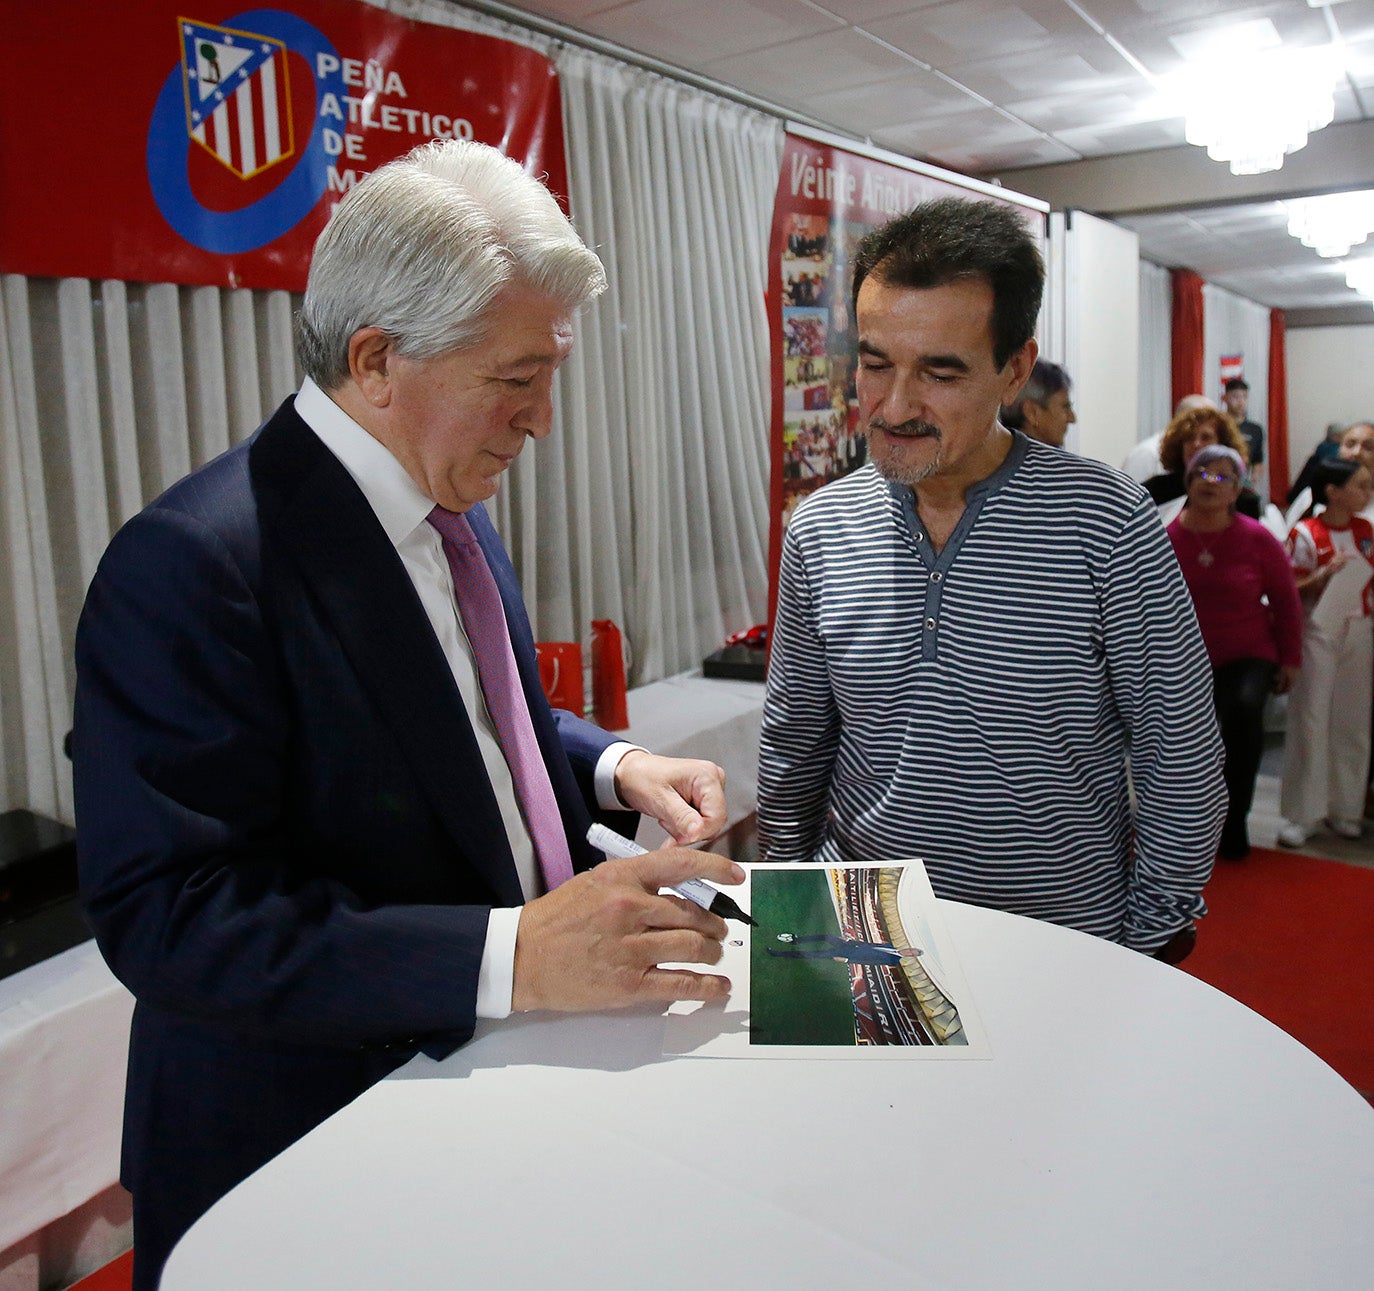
{"points": [[931, 623]]}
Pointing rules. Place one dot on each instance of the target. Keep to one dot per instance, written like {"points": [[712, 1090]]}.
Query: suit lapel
{"points": [[318, 515]]}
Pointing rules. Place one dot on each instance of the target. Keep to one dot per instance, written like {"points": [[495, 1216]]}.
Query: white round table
{"points": [[1134, 1129]]}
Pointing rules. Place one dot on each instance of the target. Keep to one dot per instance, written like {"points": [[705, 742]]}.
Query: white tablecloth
{"points": [[64, 1023], [64, 1038], [1134, 1130], [692, 716]]}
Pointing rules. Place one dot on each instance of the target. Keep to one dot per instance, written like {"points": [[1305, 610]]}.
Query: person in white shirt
{"points": [[1326, 753], [1142, 462], [1043, 408]]}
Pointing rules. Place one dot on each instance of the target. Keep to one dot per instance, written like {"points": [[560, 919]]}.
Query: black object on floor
{"points": [[40, 915]]}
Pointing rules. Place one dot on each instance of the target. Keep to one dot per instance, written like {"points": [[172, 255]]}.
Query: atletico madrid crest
{"points": [[238, 101]]}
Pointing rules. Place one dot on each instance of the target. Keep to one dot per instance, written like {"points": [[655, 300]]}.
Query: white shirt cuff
{"points": [[496, 977], [606, 797]]}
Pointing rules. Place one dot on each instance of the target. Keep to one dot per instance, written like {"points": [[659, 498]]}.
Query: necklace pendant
{"points": [[1205, 558]]}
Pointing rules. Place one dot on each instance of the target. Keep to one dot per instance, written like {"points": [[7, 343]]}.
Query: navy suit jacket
{"points": [[288, 842]]}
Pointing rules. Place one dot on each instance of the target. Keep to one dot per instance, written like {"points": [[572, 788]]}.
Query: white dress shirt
{"points": [[402, 509], [1142, 462]]}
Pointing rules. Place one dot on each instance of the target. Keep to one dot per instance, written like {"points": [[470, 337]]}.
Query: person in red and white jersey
{"points": [[1326, 762]]}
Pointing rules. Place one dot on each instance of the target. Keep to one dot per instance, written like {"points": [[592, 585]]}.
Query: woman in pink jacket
{"points": [[1251, 620]]}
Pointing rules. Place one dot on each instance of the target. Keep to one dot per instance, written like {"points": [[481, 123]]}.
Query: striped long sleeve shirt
{"points": [[979, 707]]}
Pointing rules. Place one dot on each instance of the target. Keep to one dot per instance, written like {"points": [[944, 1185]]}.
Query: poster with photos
{"points": [[829, 196], [819, 407], [843, 961]]}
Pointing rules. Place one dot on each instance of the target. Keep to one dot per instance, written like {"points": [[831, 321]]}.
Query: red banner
{"points": [[203, 144], [828, 198]]}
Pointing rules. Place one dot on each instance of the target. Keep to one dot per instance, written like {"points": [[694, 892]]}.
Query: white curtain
{"points": [[1233, 325], [665, 447], [648, 505], [1154, 394], [109, 392]]}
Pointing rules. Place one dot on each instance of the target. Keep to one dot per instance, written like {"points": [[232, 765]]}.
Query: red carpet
{"points": [[113, 1277], [1292, 937]]}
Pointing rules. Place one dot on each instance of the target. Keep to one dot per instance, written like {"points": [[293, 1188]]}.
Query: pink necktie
{"points": [[484, 621]]}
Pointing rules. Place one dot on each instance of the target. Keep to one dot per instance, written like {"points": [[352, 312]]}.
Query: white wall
{"points": [[1330, 378], [1155, 396], [1101, 331]]}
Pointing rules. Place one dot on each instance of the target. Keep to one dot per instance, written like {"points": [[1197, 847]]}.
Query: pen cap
{"points": [[608, 676]]}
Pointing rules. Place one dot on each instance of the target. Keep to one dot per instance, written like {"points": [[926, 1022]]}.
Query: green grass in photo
{"points": [[796, 1001]]}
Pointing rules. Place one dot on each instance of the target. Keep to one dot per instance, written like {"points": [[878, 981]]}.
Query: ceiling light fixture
{"points": [[1331, 225], [1360, 275], [1256, 109]]}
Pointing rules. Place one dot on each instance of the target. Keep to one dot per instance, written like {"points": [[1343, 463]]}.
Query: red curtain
{"points": [[1277, 455], [1186, 344]]}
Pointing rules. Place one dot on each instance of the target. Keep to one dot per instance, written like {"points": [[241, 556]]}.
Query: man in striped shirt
{"points": [[977, 634]]}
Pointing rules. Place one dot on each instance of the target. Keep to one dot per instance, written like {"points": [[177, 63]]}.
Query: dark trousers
{"points": [[206, 1106], [1239, 691]]}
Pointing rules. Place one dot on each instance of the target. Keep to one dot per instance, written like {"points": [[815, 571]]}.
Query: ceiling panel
{"points": [[1017, 83], [1355, 20], [1066, 72], [1100, 109], [1359, 63], [860, 12], [1136, 136], [980, 128], [872, 105], [793, 72], [692, 33], [1114, 14], [987, 156], [1349, 105], [962, 31], [1246, 249], [1161, 46]]}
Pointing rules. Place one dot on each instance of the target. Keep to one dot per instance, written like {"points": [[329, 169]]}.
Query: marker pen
{"points": [[697, 891]]}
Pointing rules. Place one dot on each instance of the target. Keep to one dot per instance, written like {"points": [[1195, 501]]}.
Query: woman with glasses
{"points": [[1326, 761], [1189, 431], [1247, 607]]}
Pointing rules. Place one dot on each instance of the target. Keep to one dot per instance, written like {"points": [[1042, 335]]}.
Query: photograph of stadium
{"points": [[833, 962]]}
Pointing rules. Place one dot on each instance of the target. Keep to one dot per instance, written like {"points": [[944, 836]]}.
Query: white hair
{"points": [[423, 245]]}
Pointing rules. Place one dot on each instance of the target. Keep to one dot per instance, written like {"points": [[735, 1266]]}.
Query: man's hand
{"points": [[596, 941], [685, 795], [1284, 679]]}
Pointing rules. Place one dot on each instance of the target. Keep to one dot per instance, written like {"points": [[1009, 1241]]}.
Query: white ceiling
{"points": [[986, 86], [1247, 249]]}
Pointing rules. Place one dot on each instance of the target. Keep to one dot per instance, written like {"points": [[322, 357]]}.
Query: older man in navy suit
{"points": [[326, 818]]}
